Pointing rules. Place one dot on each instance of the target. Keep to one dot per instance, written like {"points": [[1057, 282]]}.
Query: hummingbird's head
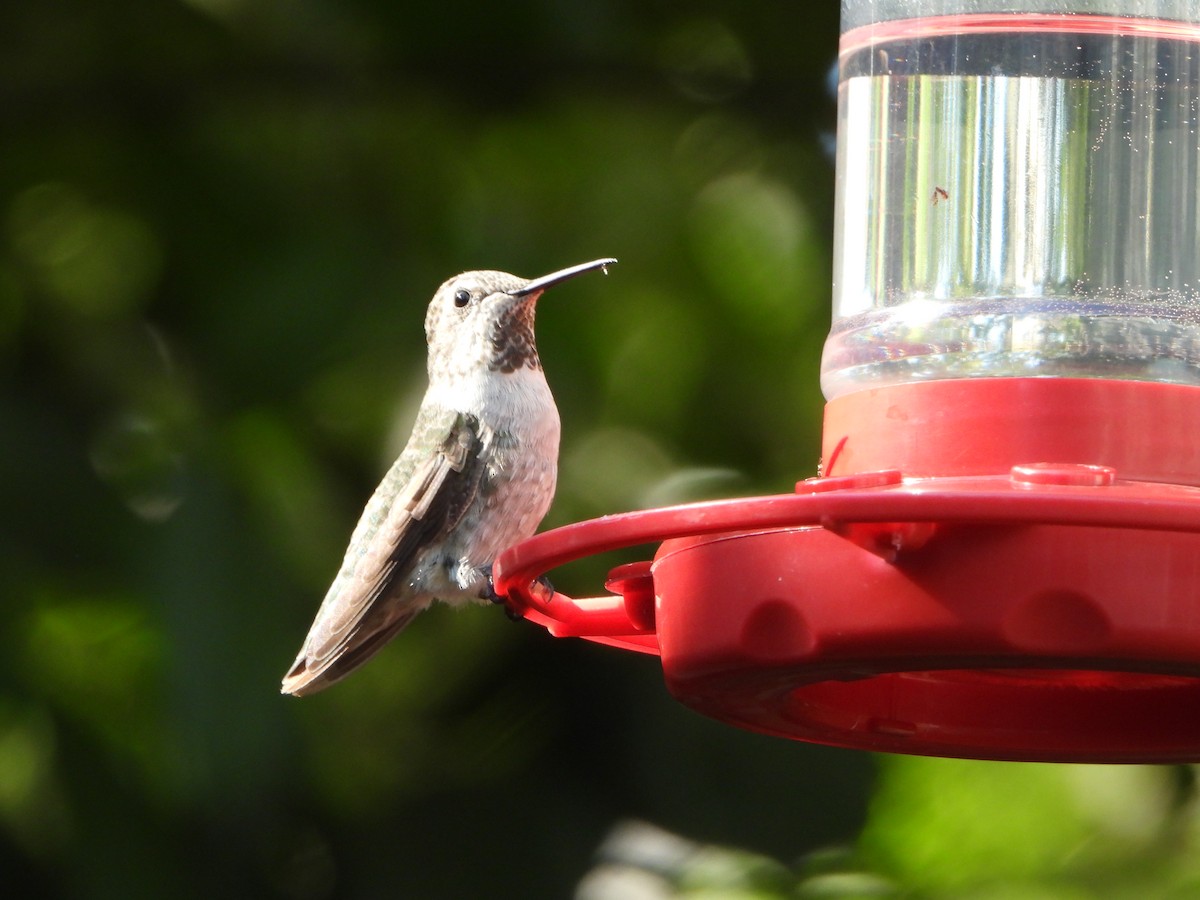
{"points": [[484, 320]]}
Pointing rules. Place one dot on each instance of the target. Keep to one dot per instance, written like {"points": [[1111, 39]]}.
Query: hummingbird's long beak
{"points": [[540, 284]]}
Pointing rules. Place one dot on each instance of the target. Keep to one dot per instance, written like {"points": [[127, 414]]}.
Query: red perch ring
{"points": [[1048, 614]]}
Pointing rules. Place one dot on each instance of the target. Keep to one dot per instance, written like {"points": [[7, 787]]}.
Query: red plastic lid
{"points": [[1047, 612]]}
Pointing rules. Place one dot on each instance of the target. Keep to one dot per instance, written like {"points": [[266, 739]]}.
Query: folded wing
{"points": [[419, 501]]}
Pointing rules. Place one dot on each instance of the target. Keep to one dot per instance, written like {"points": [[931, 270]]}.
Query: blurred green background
{"points": [[220, 223]]}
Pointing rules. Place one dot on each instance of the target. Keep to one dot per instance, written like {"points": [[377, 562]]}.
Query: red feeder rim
{"points": [[1051, 613]]}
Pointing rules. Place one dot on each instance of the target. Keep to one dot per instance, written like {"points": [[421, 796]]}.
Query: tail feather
{"points": [[309, 674]]}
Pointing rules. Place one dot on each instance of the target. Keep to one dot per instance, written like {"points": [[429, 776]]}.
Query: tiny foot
{"points": [[489, 588], [542, 589], [489, 594]]}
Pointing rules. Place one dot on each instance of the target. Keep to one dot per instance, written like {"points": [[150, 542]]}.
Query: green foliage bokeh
{"points": [[220, 222]]}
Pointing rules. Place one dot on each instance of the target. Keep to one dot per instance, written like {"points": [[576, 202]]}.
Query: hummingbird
{"points": [[476, 476]]}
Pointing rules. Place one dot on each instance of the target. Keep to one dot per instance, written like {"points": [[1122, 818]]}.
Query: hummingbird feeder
{"points": [[1001, 557]]}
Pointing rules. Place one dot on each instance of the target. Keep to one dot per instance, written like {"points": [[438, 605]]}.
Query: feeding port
{"points": [[1001, 556]]}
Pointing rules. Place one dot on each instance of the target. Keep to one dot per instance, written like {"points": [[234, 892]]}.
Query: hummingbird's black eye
{"points": [[461, 298]]}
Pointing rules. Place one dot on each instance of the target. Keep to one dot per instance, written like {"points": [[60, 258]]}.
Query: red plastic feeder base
{"points": [[1047, 612]]}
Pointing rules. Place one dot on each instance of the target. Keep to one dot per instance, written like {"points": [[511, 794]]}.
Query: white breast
{"points": [[519, 403], [522, 471]]}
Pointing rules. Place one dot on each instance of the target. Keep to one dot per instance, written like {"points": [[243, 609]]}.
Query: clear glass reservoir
{"points": [[1017, 192]]}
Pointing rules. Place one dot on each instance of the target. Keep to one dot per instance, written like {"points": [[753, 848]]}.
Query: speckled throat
{"points": [[512, 339]]}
